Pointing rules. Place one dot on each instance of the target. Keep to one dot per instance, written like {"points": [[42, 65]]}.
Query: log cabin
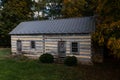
{"points": [[60, 37]]}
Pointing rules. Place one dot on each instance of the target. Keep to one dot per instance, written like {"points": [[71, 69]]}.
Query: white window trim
{"points": [[75, 53]]}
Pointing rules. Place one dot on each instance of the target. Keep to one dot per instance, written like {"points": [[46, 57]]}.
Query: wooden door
{"points": [[62, 49], [19, 45]]}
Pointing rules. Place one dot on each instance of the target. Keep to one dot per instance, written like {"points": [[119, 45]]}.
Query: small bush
{"points": [[70, 61], [46, 58]]}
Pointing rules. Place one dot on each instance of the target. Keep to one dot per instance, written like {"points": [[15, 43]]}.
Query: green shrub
{"points": [[70, 61], [46, 58]]}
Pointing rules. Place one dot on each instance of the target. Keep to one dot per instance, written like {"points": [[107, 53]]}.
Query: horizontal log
{"points": [[51, 45], [82, 56], [85, 52], [84, 43], [26, 39], [67, 52], [13, 49], [69, 36], [53, 41], [51, 48], [24, 36], [68, 40]]}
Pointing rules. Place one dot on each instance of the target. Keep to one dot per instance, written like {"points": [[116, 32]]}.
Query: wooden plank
{"points": [[68, 49], [13, 44], [68, 36], [84, 43], [85, 46], [51, 43], [50, 48], [82, 56], [14, 36], [51, 51], [13, 49], [68, 40], [30, 44], [39, 46], [85, 52], [67, 53], [13, 41], [26, 39], [53, 37]]}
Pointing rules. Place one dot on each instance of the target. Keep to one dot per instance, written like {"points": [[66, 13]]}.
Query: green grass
{"points": [[15, 69], [4, 52]]}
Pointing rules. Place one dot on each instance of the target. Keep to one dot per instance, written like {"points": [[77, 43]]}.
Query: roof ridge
{"points": [[60, 19]]}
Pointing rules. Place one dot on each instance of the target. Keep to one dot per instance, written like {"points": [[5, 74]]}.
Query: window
{"points": [[74, 47], [32, 44]]}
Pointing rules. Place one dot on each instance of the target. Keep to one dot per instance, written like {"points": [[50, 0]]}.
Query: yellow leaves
{"points": [[114, 45], [101, 40], [73, 8], [115, 24]]}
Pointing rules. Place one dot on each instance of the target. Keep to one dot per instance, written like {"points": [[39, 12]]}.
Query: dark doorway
{"points": [[19, 45]]}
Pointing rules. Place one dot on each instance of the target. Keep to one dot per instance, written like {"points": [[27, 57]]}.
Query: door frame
{"points": [[63, 52], [19, 45]]}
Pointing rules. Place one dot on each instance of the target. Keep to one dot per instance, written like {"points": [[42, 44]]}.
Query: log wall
{"points": [[49, 43]]}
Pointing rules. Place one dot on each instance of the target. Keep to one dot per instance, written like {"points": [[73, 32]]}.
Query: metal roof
{"points": [[60, 26]]}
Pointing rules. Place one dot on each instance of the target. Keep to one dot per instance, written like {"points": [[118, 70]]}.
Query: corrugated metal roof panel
{"points": [[60, 26]]}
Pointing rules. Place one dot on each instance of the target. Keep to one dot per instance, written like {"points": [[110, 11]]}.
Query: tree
{"points": [[107, 33], [113, 43], [73, 8], [13, 12], [90, 8], [108, 10], [38, 7], [78, 8], [53, 8], [45, 9]]}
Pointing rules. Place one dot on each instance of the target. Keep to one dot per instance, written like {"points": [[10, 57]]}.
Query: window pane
{"points": [[32, 44], [74, 47], [74, 44]]}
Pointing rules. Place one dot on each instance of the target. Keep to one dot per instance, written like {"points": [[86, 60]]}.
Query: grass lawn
{"points": [[17, 69]]}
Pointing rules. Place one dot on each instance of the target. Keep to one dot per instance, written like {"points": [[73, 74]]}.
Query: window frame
{"points": [[77, 47], [33, 45]]}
